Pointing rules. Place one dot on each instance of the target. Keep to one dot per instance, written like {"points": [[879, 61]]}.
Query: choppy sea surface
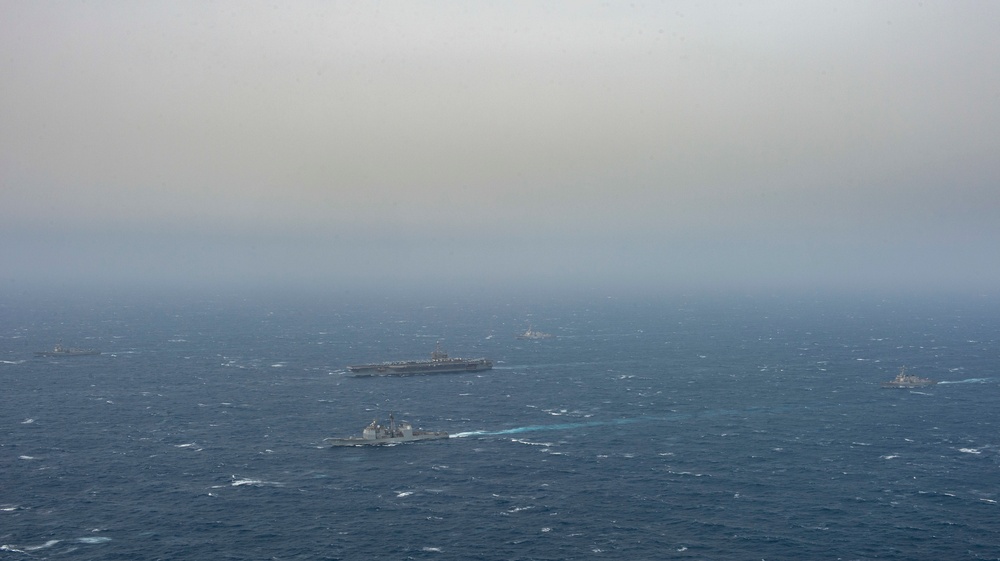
{"points": [[670, 428]]}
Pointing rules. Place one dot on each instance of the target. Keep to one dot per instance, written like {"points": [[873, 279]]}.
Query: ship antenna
{"points": [[438, 354]]}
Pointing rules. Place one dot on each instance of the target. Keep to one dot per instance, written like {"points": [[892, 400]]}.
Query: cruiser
{"points": [[376, 434], [904, 380], [60, 350], [439, 363]]}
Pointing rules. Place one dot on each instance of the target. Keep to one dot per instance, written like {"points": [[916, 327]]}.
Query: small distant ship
{"points": [[375, 435], [904, 380], [439, 363], [60, 350], [532, 334]]}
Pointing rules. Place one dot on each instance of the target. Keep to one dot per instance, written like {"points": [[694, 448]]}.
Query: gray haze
{"points": [[773, 145]]}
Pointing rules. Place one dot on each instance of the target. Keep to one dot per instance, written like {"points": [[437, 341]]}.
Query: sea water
{"points": [[667, 428]]}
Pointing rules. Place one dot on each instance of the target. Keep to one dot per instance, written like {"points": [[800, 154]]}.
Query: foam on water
{"points": [[94, 540]]}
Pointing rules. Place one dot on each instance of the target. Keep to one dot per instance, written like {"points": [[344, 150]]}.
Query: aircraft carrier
{"points": [[60, 350], [440, 363]]}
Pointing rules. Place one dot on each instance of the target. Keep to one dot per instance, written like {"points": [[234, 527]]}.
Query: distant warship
{"points": [[439, 363], [904, 380], [376, 434], [531, 334], [60, 350]]}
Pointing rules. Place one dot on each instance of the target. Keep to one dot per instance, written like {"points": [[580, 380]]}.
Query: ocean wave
{"points": [[244, 482], [94, 540]]}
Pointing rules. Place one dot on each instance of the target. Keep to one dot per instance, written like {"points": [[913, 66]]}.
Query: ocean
{"points": [[748, 427]]}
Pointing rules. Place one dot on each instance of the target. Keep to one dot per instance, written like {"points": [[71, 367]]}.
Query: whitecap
{"points": [[241, 482], [45, 545], [94, 540], [26, 457], [529, 443], [686, 473], [890, 456], [518, 509], [402, 494], [970, 450], [27, 421], [431, 549]]}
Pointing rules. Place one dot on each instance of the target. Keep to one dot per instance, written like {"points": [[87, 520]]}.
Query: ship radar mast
{"points": [[438, 354]]}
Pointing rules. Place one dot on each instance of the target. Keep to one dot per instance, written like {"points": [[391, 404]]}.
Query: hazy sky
{"points": [[679, 144]]}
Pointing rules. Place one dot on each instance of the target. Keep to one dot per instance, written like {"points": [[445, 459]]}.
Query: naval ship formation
{"points": [[904, 380], [440, 363], [376, 434]]}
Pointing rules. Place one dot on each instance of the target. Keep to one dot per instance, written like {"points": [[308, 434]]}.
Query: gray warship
{"points": [[60, 350], [532, 334], [376, 435], [904, 380], [440, 363]]}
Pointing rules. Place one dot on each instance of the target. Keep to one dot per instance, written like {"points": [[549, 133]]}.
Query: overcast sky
{"points": [[680, 144]]}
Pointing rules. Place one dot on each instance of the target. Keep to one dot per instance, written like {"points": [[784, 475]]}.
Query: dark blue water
{"points": [[680, 428]]}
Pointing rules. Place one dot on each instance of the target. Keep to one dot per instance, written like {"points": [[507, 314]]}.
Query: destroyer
{"points": [[60, 350], [904, 380], [376, 434], [439, 363]]}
